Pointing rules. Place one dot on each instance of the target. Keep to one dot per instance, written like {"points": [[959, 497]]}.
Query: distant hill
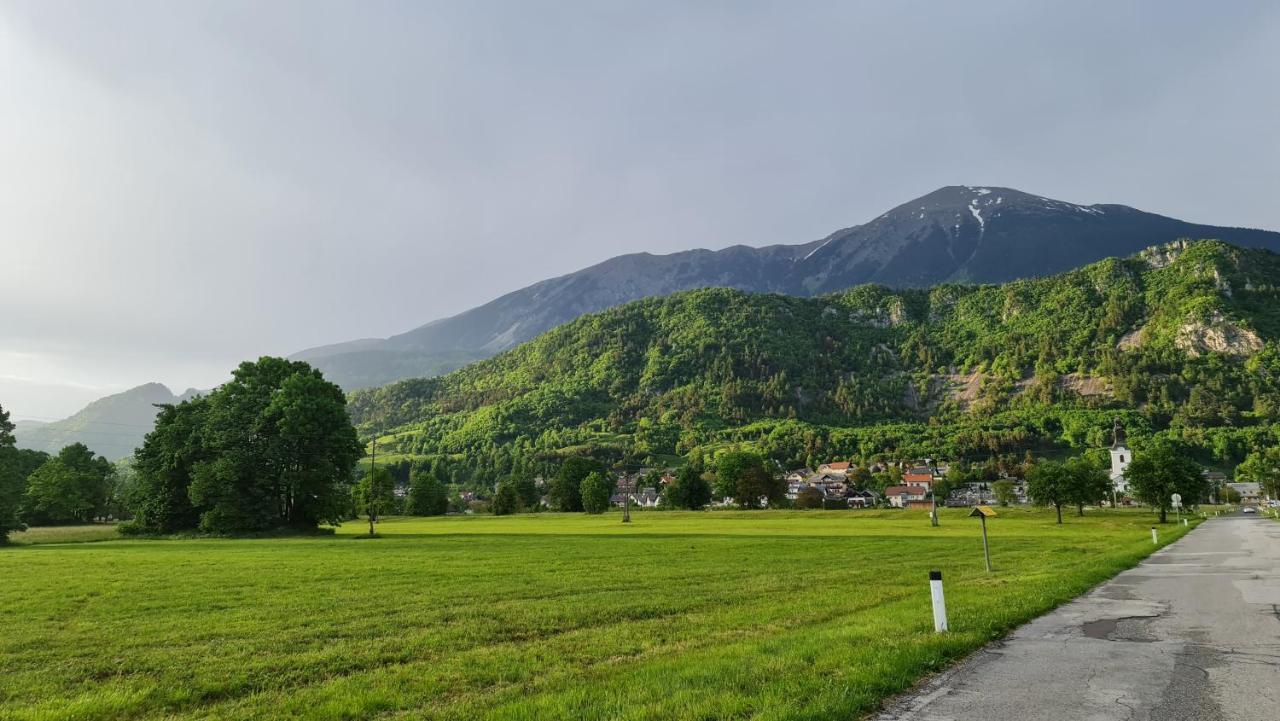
{"points": [[956, 233], [1182, 339], [112, 426]]}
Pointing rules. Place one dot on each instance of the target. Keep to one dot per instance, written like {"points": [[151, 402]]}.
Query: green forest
{"points": [[1181, 342]]}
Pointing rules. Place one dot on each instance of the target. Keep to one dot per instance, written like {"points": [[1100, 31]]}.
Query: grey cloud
{"points": [[184, 185]]}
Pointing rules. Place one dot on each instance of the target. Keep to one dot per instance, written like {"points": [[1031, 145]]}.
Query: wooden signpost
{"points": [[983, 512]]}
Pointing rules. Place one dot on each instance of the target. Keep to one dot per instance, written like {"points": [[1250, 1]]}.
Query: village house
{"points": [[800, 474], [908, 497], [862, 498], [832, 481], [919, 477], [838, 469], [1249, 492], [644, 498]]}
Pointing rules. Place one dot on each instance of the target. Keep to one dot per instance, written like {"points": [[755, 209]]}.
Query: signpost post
{"points": [[1176, 500], [982, 512]]}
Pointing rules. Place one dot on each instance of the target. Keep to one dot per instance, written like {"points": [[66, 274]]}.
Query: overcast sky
{"points": [[184, 185]]}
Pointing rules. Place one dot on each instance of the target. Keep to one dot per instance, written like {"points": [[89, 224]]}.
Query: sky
{"points": [[185, 185]]}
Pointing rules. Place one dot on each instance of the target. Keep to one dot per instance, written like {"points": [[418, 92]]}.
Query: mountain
{"points": [[1181, 339], [112, 426], [956, 233]]}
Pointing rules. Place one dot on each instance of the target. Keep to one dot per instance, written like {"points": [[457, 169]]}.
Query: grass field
{"points": [[769, 615]]}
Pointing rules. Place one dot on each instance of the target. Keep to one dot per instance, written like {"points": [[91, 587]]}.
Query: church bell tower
{"points": [[1121, 457]]}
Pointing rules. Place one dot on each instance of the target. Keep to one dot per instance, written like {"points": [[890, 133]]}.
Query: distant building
{"points": [[646, 498], [918, 477], [799, 474], [1249, 492], [862, 498]]}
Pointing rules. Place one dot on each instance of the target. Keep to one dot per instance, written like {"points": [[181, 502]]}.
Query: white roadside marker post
{"points": [[1154, 538], [939, 602], [1184, 522]]}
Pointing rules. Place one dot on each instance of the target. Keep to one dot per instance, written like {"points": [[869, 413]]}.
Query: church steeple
{"points": [[1118, 435], [1121, 456]]}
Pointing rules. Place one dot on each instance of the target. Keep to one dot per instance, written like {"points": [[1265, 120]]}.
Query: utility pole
{"points": [[629, 487], [373, 478]]}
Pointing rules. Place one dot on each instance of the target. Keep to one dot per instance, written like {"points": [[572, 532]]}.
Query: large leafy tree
{"points": [[506, 500], [271, 448], [746, 477], [427, 496], [596, 491], [527, 488], [1049, 484], [1088, 483], [566, 487], [12, 480], [1161, 471], [159, 495], [689, 490], [1262, 467], [72, 487]]}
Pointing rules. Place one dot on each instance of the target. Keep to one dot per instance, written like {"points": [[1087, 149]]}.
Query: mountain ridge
{"points": [[111, 426], [954, 234]]}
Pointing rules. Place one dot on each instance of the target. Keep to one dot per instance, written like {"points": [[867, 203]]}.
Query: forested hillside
{"points": [[1180, 340]]}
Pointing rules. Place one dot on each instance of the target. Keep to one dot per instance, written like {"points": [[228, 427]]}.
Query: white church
{"points": [[1121, 456]]}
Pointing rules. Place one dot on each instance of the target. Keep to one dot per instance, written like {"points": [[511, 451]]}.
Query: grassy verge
{"points": [[777, 615]]}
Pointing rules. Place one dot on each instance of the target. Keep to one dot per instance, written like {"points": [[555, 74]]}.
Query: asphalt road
{"points": [[1191, 633]]}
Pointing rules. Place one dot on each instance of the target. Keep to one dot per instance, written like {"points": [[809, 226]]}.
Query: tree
{"points": [[860, 477], [310, 448], [1089, 483], [809, 498], [72, 487], [566, 491], [746, 478], [1049, 484], [1262, 467], [375, 495], [527, 489], [160, 497], [689, 490], [12, 480], [271, 448], [1161, 471], [506, 500], [1005, 491], [427, 496], [596, 492]]}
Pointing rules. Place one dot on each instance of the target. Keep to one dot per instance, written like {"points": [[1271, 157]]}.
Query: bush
{"points": [[809, 498]]}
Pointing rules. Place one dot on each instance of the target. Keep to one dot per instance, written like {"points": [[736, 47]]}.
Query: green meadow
{"points": [[697, 615]]}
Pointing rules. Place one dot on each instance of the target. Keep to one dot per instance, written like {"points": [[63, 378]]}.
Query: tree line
{"points": [[36, 488], [1153, 476]]}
